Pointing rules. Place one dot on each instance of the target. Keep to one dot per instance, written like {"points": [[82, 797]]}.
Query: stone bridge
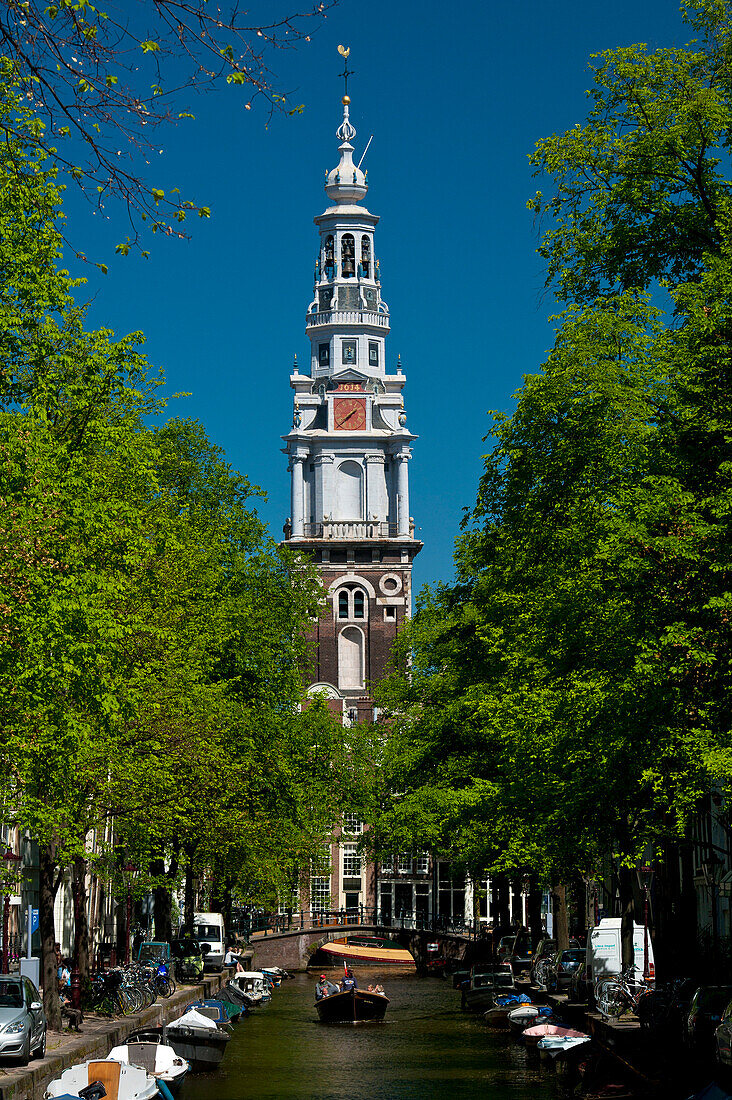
{"points": [[293, 950]]}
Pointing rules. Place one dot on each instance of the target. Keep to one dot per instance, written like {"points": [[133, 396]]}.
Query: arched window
{"points": [[329, 258], [348, 256], [358, 604], [343, 604], [350, 658], [365, 257], [349, 491], [352, 602]]}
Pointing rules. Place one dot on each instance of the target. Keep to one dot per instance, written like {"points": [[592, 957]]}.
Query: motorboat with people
{"points": [[123, 1081], [367, 950], [198, 1039], [347, 1003], [156, 1058]]}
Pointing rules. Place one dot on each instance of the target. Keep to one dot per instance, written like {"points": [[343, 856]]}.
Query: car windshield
{"points": [[572, 956], [208, 932], [11, 995]]}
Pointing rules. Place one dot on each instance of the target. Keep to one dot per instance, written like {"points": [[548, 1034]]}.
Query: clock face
{"points": [[349, 414]]}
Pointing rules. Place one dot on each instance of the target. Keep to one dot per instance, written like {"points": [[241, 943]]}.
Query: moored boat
{"points": [[497, 1015], [366, 950], [527, 1015], [552, 1047], [352, 1006], [533, 1035], [197, 1039], [126, 1082], [221, 1013], [157, 1059], [484, 986]]}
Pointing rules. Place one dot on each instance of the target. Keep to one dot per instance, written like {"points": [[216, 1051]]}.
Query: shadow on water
{"points": [[426, 1049]]}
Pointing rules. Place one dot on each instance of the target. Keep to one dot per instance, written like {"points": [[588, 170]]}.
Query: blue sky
{"points": [[456, 97]]}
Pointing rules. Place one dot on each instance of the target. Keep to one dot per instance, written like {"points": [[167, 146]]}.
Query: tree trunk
{"points": [[189, 903], [561, 917], [502, 913], [534, 912], [517, 907], [81, 926], [47, 928], [627, 916], [162, 901]]}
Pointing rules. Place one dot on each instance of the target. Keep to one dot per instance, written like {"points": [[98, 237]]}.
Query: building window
{"points": [[405, 863], [365, 257], [351, 861], [348, 256], [387, 865], [319, 893], [422, 864], [348, 351], [324, 354], [352, 824], [373, 353], [351, 603], [329, 258]]}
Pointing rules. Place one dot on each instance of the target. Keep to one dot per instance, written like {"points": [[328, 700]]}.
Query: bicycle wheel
{"points": [[611, 998], [541, 973]]}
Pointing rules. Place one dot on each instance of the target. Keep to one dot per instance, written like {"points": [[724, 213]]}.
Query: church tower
{"points": [[349, 450]]}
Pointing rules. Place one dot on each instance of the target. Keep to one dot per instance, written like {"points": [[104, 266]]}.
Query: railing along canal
{"points": [[305, 920]]}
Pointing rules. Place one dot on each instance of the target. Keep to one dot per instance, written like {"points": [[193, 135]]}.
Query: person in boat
{"points": [[349, 982], [324, 988]]}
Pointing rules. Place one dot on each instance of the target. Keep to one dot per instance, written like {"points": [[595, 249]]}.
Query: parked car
{"points": [[564, 965], [723, 1041], [579, 988], [22, 1019], [705, 1015]]}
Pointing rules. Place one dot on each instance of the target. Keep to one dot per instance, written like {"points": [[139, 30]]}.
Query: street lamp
{"points": [[645, 878]]}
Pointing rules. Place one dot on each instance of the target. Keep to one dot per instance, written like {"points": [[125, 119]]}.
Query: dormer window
{"points": [[365, 257], [329, 258], [348, 256]]}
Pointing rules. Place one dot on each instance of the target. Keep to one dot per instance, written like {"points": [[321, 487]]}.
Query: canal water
{"points": [[426, 1049]]}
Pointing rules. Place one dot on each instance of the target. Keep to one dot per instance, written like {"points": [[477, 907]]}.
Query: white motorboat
{"points": [[157, 1059], [552, 1047], [196, 1038], [251, 986], [125, 1082], [522, 1017]]}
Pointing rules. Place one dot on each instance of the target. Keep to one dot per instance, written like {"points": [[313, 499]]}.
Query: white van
{"points": [[208, 928], [604, 950]]}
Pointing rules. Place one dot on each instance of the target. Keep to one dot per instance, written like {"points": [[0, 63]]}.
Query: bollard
{"points": [[76, 988]]}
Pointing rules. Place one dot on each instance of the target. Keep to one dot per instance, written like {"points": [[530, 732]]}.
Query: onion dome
{"points": [[346, 183]]}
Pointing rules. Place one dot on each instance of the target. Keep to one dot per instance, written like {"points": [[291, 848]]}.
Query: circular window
{"points": [[390, 584]]}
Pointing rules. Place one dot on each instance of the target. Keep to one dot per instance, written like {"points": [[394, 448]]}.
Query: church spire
{"points": [[346, 184]]}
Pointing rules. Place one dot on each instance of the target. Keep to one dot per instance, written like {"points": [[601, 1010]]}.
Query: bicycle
{"points": [[620, 993]]}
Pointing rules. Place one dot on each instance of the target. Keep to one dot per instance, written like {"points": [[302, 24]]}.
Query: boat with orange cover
{"points": [[366, 950]]}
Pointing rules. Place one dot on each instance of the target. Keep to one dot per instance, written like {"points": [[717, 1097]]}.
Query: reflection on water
{"points": [[426, 1049]]}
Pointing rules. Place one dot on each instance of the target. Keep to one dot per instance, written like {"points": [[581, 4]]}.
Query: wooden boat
{"points": [[528, 1015], [367, 950], [125, 1082], [352, 1006], [156, 1058], [197, 1039]]}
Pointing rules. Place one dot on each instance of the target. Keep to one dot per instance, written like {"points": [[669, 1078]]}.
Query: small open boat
{"points": [[552, 1047], [352, 1006], [157, 1059], [125, 1082], [528, 1015], [367, 950], [497, 1015], [533, 1035], [197, 1039]]}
